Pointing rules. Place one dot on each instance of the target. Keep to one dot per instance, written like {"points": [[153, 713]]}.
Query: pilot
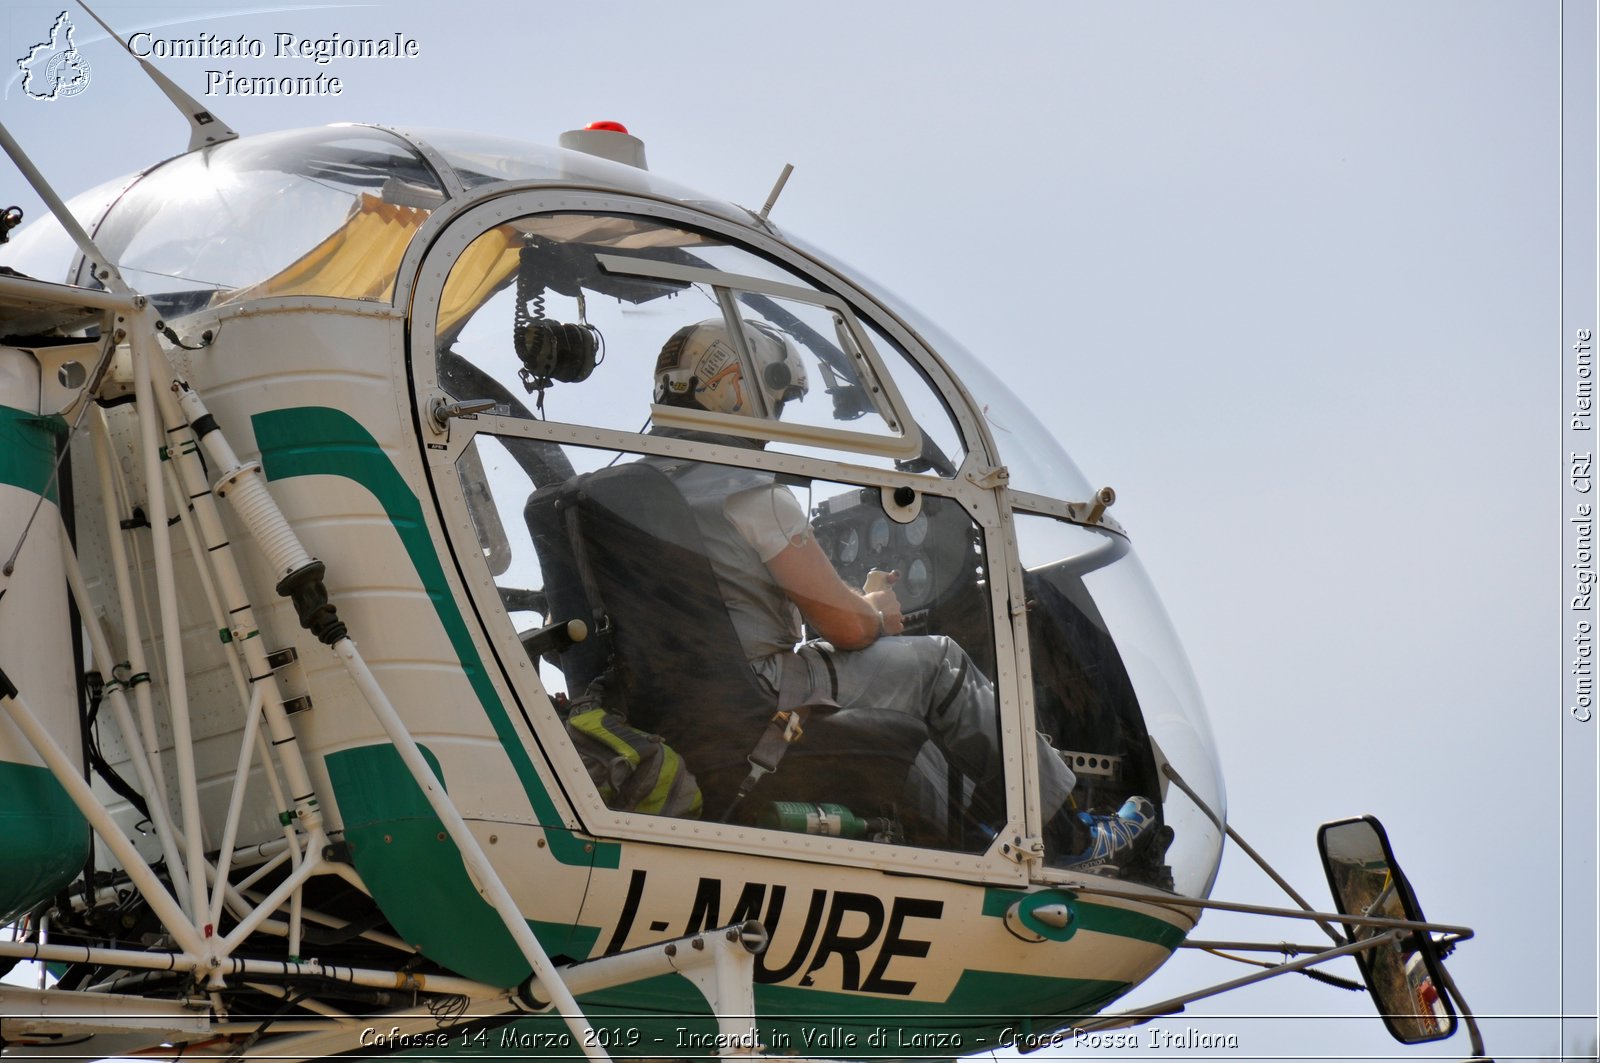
{"points": [[773, 574]]}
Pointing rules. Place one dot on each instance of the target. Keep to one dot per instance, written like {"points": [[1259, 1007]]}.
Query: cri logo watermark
{"points": [[55, 68]]}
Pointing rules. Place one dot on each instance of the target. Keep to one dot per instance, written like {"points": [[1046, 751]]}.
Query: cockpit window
{"points": [[1034, 458], [323, 212], [628, 324], [1113, 693], [701, 645]]}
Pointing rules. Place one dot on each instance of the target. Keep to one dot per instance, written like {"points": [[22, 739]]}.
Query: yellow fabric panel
{"points": [[358, 261], [482, 268]]}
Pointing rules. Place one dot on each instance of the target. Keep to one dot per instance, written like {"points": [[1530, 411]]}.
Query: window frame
{"points": [[443, 444], [885, 395]]}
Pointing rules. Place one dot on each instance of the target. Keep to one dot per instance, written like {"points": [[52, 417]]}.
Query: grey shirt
{"points": [[745, 517]]}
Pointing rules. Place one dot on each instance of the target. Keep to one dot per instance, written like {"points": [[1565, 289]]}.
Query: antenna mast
{"points": [[204, 127]]}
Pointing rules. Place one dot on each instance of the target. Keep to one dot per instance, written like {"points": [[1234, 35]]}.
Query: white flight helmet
{"points": [[701, 367]]}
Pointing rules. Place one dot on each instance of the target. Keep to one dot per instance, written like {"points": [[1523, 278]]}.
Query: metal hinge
{"points": [[1023, 849], [989, 479]]}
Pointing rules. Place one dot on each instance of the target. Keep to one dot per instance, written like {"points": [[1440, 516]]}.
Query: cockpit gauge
{"points": [[878, 536], [918, 582], [849, 547], [917, 530]]}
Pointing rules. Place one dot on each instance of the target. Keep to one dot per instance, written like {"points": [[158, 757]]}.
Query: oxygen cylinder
{"points": [[802, 817], [837, 821], [46, 839]]}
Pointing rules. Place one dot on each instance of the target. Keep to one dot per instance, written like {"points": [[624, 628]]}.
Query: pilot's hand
{"points": [[878, 580], [880, 594]]}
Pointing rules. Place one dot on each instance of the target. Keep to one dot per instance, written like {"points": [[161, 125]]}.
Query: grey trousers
{"points": [[931, 678]]}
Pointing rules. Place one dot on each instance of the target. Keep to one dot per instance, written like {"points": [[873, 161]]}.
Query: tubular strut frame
{"points": [[719, 963]]}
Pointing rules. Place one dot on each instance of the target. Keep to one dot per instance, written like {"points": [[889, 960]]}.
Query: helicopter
{"points": [[344, 568]]}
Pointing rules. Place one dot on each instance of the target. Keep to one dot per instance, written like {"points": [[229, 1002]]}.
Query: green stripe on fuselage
{"points": [[418, 878], [318, 441], [394, 834], [46, 838], [28, 450]]}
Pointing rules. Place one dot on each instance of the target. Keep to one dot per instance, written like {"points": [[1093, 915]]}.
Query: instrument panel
{"points": [[938, 554]]}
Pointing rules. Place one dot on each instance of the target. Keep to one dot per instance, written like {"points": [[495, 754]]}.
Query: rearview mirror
{"points": [[1403, 976]]}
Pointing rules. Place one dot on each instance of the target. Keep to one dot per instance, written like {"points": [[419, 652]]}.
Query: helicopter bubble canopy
{"points": [[322, 212], [315, 212], [620, 260]]}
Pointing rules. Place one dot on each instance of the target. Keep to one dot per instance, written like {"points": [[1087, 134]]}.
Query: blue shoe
{"points": [[1114, 840]]}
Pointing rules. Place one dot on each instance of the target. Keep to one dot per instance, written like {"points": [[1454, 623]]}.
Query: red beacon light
{"points": [[608, 140]]}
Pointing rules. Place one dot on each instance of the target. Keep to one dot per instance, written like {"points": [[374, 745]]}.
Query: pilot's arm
{"points": [[773, 522], [846, 617]]}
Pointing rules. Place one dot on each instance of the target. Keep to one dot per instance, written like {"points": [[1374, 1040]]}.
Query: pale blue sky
{"points": [[1283, 275]]}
